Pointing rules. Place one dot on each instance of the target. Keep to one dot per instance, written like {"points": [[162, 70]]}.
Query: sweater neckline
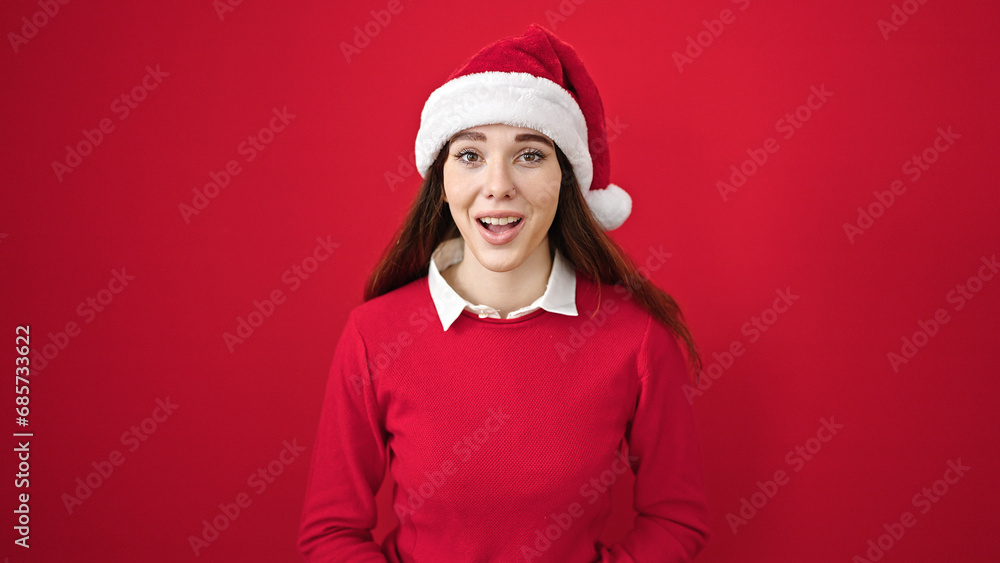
{"points": [[475, 317]]}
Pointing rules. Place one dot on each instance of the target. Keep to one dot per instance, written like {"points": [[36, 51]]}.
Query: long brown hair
{"points": [[574, 232]]}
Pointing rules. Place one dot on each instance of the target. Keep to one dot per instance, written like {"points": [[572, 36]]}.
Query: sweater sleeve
{"points": [[348, 462], [669, 496]]}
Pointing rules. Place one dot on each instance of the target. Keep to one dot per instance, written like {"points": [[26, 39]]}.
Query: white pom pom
{"points": [[610, 206]]}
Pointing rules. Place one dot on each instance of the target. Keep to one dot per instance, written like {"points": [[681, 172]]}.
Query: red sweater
{"points": [[503, 436]]}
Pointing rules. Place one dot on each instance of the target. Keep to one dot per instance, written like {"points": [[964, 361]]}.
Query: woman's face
{"points": [[506, 175]]}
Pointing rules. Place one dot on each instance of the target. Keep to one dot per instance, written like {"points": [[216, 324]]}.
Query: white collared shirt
{"points": [[559, 296]]}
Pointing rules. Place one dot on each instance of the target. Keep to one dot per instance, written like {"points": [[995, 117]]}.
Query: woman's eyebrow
{"points": [[477, 136], [470, 135], [533, 137]]}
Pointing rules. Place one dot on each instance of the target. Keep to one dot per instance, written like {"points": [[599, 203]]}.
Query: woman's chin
{"points": [[499, 260]]}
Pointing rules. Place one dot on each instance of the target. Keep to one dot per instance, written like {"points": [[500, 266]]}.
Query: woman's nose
{"points": [[499, 181]]}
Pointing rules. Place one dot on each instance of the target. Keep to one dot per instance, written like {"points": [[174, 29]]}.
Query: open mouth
{"points": [[499, 224]]}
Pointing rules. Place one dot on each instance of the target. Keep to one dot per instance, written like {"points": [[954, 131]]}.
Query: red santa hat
{"points": [[535, 80]]}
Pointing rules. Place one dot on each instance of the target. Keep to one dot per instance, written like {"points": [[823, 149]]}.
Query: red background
{"points": [[325, 175]]}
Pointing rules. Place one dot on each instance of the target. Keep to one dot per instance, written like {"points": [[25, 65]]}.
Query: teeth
{"points": [[498, 220]]}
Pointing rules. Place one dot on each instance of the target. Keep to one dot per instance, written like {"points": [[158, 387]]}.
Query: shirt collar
{"points": [[559, 296]]}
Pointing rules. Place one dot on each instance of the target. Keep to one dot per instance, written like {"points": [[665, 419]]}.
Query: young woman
{"points": [[510, 363]]}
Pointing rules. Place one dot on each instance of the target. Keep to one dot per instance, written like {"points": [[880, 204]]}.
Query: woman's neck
{"points": [[504, 291]]}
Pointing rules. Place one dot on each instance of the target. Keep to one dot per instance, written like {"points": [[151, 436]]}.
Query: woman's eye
{"points": [[532, 156], [468, 156]]}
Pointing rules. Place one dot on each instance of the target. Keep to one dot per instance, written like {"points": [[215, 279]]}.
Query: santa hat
{"points": [[535, 80]]}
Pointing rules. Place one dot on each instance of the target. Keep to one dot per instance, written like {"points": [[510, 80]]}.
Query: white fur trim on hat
{"points": [[513, 98]]}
